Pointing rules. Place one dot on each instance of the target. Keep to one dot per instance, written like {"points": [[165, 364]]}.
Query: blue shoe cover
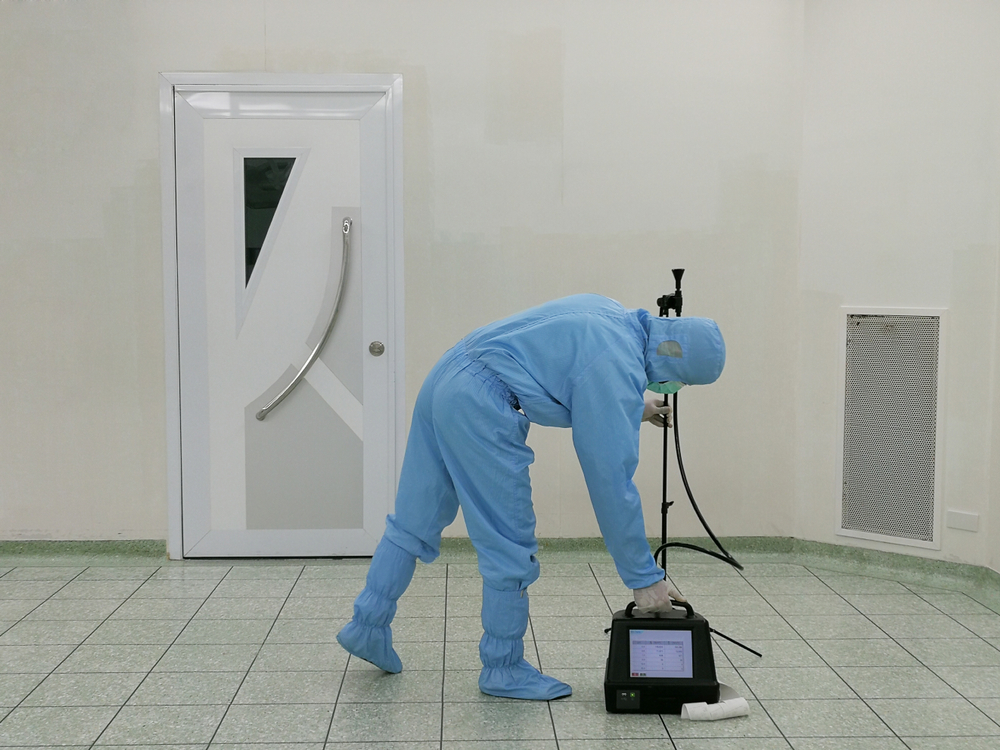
{"points": [[374, 645], [521, 681], [368, 636], [505, 672]]}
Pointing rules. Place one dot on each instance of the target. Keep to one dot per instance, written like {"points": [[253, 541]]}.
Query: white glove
{"points": [[658, 412], [656, 598]]}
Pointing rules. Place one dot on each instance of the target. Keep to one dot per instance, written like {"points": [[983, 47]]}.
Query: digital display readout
{"points": [[660, 653]]}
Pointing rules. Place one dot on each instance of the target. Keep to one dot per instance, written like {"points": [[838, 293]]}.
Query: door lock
{"points": [[376, 348]]}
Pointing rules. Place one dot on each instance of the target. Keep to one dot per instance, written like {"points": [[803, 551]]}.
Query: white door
{"points": [[285, 255]]}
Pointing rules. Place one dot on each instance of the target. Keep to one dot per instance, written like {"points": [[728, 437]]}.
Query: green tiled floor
{"points": [[243, 655]]}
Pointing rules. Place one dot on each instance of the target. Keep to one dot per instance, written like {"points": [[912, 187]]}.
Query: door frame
{"points": [[391, 87]]}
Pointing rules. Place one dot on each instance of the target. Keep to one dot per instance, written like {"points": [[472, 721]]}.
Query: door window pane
{"points": [[264, 181]]}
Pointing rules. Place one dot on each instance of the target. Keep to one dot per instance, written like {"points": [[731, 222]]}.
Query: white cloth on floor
{"points": [[730, 704]]}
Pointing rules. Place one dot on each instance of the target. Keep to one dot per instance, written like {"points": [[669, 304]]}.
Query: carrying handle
{"points": [[688, 608]]}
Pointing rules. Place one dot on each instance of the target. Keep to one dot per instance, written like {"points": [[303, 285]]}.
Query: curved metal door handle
{"points": [[346, 228]]}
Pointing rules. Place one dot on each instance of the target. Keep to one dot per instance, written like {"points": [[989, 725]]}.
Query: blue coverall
{"points": [[581, 362]]}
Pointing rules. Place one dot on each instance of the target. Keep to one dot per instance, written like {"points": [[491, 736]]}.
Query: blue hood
{"points": [[686, 350]]}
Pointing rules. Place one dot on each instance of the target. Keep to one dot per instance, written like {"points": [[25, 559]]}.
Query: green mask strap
{"points": [[667, 388]]}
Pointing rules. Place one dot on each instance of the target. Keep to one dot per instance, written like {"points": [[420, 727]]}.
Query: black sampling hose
{"points": [[725, 556]]}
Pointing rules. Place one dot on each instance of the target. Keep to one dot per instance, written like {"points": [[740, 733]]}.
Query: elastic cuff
{"points": [[500, 652], [409, 543], [642, 581], [374, 609]]}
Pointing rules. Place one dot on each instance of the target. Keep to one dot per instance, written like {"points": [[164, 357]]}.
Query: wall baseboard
{"points": [[152, 548]]}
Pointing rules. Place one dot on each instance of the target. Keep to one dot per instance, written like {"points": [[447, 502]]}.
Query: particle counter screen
{"points": [[660, 653]]}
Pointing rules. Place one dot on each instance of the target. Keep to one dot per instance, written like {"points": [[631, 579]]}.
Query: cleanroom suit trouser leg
{"points": [[481, 440], [467, 447], [368, 635], [501, 649]]}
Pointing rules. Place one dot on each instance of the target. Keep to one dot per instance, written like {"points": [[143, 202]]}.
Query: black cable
{"points": [[664, 505], [733, 640], [731, 560], [725, 556]]}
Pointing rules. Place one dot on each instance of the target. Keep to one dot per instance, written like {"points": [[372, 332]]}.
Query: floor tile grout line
{"points": [[336, 702], [979, 637], [670, 737], [416, 700], [905, 584], [740, 675], [900, 645], [600, 587], [169, 646], [890, 639], [552, 718], [444, 654], [908, 587], [73, 650], [806, 641], [548, 704], [975, 635], [924, 597], [611, 609], [963, 593], [259, 649], [819, 655], [45, 600]]}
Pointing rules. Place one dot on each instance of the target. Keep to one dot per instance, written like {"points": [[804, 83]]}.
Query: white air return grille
{"points": [[890, 423]]}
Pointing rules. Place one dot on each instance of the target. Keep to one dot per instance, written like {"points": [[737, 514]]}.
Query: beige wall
{"points": [[771, 147], [900, 207]]}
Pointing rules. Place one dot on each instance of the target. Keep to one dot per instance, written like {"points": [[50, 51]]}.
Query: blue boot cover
{"points": [[368, 635], [505, 672]]}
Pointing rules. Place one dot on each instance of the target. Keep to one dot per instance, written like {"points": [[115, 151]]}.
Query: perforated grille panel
{"points": [[890, 421]]}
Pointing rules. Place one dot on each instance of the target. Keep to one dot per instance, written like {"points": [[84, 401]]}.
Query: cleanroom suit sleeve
{"points": [[606, 411]]}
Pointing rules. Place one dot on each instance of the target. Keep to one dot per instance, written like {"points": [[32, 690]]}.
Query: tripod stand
{"points": [[667, 303]]}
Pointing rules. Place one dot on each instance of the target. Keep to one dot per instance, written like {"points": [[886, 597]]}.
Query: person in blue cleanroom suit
{"points": [[583, 362]]}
